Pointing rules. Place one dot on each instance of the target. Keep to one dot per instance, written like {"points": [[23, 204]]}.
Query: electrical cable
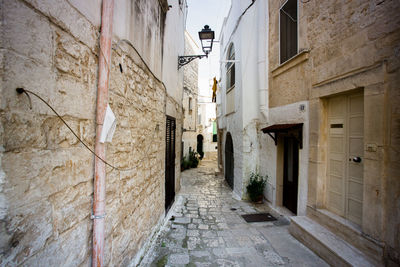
{"points": [[144, 62], [27, 92], [140, 56], [238, 21]]}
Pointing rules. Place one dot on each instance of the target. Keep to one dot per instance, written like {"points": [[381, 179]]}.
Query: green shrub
{"points": [[256, 185], [193, 159], [185, 164]]}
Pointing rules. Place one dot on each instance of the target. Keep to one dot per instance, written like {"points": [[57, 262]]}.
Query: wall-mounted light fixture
{"points": [[206, 36]]}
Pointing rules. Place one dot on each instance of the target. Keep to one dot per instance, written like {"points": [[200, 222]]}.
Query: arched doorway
{"points": [[229, 162], [200, 145]]}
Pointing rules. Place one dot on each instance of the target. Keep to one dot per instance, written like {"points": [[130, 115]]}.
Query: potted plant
{"points": [[255, 187]]}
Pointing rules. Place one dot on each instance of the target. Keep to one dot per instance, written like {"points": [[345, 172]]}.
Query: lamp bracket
{"points": [[183, 60]]}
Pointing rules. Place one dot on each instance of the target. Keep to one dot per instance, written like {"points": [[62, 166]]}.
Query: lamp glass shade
{"points": [[206, 36]]}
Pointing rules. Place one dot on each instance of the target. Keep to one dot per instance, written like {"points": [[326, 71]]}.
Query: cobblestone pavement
{"points": [[205, 229]]}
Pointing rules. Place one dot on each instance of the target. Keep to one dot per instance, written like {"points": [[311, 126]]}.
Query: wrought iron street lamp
{"points": [[206, 36]]}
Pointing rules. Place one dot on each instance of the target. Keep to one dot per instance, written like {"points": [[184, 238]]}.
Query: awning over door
{"points": [[290, 129]]}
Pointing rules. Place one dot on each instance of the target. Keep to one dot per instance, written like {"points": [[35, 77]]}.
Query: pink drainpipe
{"points": [[99, 195]]}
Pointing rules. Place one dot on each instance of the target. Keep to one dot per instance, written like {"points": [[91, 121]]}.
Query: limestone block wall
{"points": [[47, 184], [135, 197], [355, 45], [46, 175], [344, 47]]}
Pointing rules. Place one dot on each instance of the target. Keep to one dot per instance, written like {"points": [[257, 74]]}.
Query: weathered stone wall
{"points": [[46, 176], [190, 91], [135, 197], [47, 187], [348, 46], [360, 49]]}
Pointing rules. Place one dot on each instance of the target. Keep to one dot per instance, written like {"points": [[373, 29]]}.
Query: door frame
{"points": [[289, 194]]}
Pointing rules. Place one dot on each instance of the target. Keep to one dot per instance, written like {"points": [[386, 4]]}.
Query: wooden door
{"points": [[345, 156], [229, 160], [170, 163], [355, 177], [290, 173]]}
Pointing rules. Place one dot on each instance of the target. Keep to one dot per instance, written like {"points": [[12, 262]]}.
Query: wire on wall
{"points": [[27, 92]]}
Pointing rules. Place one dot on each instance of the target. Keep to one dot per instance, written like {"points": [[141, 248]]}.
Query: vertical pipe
{"points": [[263, 27], [102, 100]]}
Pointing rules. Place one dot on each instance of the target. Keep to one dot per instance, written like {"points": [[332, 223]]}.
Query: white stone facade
{"points": [[190, 97], [206, 116], [250, 91]]}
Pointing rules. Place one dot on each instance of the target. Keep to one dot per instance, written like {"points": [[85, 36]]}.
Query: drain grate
{"points": [[258, 217]]}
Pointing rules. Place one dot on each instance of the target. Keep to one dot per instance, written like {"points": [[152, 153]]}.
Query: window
{"points": [[230, 80], [230, 69], [288, 30], [190, 104]]}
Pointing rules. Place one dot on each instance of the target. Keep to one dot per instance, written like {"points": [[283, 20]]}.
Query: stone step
{"points": [[349, 232], [326, 244]]}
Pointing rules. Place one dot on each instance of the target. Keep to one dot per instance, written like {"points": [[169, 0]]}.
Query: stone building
{"points": [[242, 96], [46, 176], [206, 130], [190, 96], [347, 66], [327, 134]]}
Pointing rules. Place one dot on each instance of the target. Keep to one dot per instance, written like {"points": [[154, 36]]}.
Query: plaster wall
{"points": [[142, 23], [233, 121], [173, 46], [47, 175], [271, 156], [243, 124]]}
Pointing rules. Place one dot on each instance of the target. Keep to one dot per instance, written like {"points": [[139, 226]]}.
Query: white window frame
{"points": [[230, 63]]}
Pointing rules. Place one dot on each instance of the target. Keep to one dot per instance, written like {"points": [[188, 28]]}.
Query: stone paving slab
{"points": [[205, 228]]}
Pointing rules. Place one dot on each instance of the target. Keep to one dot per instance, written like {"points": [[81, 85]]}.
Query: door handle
{"points": [[357, 159]]}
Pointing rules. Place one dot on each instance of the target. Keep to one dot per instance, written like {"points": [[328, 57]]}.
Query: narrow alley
{"points": [[205, 228], [199, 133]]}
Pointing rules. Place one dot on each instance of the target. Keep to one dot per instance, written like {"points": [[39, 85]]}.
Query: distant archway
{"points": [[229, 160], [200, 145]]}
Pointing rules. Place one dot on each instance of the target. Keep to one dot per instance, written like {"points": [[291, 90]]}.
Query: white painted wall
{"points": [[144, 31], [253, 150], [91, 9], [242, 124], [268, 152], [206, 109], [174, 40]]}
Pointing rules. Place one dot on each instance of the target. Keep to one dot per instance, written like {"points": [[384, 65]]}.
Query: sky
{"points": [[212, 13]]}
